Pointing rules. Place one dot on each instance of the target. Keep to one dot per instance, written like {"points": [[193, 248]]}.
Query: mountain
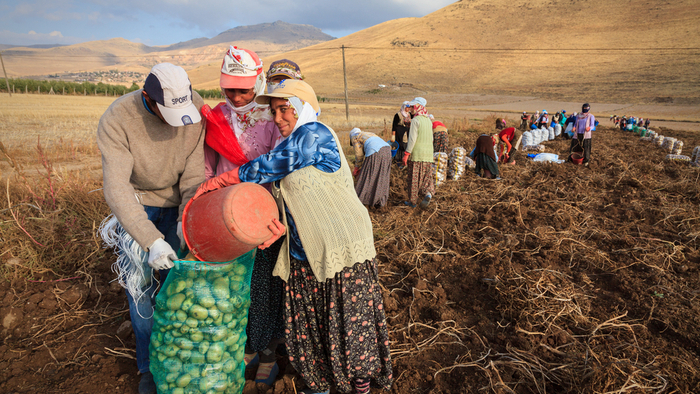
{"points": [[124, 55], [275, 33], [563, 49], [3, 46]]}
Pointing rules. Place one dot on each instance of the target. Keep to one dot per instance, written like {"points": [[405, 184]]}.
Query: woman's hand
{"points": [[277, 230], [226, 179]]}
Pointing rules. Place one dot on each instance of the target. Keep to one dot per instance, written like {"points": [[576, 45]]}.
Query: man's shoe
{"points": [[147, 385]]}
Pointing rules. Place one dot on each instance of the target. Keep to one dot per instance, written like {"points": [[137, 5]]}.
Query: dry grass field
{"points": [[557, 279]]}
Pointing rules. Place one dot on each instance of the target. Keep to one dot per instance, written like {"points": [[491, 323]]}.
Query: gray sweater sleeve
{"points": [[117, 166]]}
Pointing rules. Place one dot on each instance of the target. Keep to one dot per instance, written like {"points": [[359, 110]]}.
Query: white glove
{"points": [[161, 255], [183, 244]]}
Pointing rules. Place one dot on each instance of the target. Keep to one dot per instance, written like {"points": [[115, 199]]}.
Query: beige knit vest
{"points": [[334, 227]]}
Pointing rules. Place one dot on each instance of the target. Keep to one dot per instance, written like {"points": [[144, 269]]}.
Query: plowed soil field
{"points": [[556, 279]]}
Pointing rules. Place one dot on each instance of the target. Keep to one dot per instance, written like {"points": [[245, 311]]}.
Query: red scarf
{"points": [[220, 135]]}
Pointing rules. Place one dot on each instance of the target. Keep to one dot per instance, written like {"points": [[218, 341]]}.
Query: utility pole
{"points": [[7, 81], [345, 79]]}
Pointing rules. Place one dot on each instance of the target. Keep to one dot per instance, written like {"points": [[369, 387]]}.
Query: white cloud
{"points": [[32, 37]]}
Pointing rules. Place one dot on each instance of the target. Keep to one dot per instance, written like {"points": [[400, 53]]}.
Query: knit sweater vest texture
{"points": [[334, 227], [420, 140]]}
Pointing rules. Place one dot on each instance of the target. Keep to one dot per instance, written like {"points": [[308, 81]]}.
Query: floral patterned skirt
{"points": [[421, 180], [336, 330], [440, 141]]}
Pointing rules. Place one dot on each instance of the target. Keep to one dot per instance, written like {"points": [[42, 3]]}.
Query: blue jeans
{"points": [[165, 220]]}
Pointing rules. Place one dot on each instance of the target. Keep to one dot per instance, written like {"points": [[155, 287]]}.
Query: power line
{"points": [[532, 51]]}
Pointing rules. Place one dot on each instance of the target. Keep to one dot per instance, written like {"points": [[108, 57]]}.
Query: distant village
{"points": [[109, 76]]}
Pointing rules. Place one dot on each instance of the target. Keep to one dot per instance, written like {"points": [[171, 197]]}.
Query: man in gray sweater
{"points": [[151, 142]]}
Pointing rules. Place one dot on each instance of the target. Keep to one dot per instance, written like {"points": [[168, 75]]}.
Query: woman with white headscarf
{"points": [[239, 130], [335, 327], [372, 167]]}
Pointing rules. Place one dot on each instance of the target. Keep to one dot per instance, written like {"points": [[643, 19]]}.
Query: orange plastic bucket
{"points": [[224, 224]]}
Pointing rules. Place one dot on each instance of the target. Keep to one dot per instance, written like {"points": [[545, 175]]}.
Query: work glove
{"points": [[393, 136], [405, 158], [180, 235], [277, 230], [161, 255], [588, 128], [226, 179], [355, 171]]}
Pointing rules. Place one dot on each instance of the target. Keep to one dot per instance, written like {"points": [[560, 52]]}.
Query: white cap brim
{"points": [[178, 117]]}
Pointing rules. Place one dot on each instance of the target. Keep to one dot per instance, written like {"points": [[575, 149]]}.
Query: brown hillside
{"points": [[129, 56], [566, 49]]}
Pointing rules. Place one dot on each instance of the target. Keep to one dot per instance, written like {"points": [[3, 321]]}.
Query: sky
{"points": [[165, 22]]}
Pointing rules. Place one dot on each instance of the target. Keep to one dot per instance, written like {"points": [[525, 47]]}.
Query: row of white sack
{"points": [[538, 136], [674, 147]]}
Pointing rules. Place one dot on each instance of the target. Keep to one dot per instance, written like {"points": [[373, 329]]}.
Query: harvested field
{"points": [[556, 279]]}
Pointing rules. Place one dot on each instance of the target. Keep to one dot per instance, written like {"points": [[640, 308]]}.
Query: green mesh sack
{"points": [[199, 327]]}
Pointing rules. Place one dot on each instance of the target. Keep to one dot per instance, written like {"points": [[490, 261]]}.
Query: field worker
{"points": [[524, 120], [421, 179], [441, 140], [569, 127], [646, 123], [152, 162], [372, 167], [543, 119], [562, 120], [534, 118], [585, 123], [507, 136], [335, 328], [484, 154], [280, 70], [239, 130], [556, 118], [400, 128]]}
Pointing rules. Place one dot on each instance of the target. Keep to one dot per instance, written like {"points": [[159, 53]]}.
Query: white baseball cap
{"points": [[169, 86]]}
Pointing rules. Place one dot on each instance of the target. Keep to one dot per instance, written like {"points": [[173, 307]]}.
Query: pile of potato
{"points": [[199, 329]]}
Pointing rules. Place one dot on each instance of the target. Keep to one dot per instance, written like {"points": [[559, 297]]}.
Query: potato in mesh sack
{"points": [[469, 162], [533, 148], [658, 140], [199, 329], [457, 161], [440, 164], [677, 147], [667, 144], [696, 154], [672, 157]]}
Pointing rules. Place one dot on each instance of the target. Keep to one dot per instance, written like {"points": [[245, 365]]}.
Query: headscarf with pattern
{"points": [[420, 110]]}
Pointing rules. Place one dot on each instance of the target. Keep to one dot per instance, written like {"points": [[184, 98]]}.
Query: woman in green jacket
{"points": [[421, 176]]}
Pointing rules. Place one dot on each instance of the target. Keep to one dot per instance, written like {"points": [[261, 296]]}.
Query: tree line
{"points": [[33, 86]]}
